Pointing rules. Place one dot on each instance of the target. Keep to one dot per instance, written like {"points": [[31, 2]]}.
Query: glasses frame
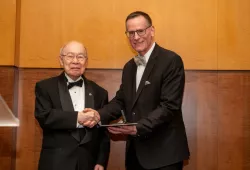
{"points": [[139, 32], [71, 58]]}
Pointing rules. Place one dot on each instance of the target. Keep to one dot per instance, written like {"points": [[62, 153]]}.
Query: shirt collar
{"points": [[147, 55], [70, 79]]}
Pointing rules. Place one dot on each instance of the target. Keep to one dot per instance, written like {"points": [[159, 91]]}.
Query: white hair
{"points": [[65, 45]]}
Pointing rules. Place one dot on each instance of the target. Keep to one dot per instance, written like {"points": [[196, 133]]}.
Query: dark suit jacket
{"points": [[61, 146], [156, 107]]}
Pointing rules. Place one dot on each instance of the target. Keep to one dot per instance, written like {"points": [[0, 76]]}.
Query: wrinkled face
{"points": [[140, 43], [74, 59]]}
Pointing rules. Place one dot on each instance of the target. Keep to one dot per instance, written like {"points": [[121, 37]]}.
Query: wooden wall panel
{"points": [[189, 28], [200, 116], [7, 31], [233, 34], [7, 140], [29, 133], [234, 121], [217, 123], [207, 121], [210, 35], [189, 115]]}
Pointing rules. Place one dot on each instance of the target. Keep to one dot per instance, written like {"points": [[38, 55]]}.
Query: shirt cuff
{"points": [[79, 125]]}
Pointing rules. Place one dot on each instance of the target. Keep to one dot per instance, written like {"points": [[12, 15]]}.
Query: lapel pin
{"points": [[147, 83], [90, 94]]}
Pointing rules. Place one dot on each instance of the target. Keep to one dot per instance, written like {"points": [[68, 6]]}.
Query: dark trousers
{"points": [[133, 163], [82, 133], [77, 167]]}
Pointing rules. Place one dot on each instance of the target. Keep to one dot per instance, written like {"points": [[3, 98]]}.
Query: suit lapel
{"points": [[64, 94], [89, 98], [133, 81], [66, 101], [89, 103], [146, 74]]}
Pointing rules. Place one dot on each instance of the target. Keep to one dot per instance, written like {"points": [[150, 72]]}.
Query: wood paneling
{"points": [[200, 116], [233, 34], [215, 110], [7, 139], [7, 31], [187, 27], [234, 121], [209, 35], [29, 133]]}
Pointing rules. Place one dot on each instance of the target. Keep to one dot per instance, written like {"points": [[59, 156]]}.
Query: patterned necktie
{"points": [[77, 83], [140, 60]]}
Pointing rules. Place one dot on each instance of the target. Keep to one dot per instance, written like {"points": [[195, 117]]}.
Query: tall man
{"points": [[150, 94], [71, 141]]}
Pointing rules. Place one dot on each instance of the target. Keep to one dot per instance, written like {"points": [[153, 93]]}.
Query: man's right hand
{"points": [[88, 118]]}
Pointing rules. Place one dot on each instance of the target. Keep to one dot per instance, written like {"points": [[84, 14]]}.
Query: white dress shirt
{"points": [[77, 95], [141, 68]]}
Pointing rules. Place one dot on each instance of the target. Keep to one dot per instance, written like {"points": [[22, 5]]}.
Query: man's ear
{"points": [[61, 61], [152, 31], [86, 63]]}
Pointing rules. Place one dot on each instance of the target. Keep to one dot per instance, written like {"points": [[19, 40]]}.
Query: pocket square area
{"points": [[147, 83]]}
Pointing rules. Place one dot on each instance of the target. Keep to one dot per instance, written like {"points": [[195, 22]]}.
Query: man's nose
{"points": [[136, 36], [75, 60]]}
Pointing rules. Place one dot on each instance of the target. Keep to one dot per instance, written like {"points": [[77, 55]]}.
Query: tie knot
{"points": [[140, 60], [76, 83]]}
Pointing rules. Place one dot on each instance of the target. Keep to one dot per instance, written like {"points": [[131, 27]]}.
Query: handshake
{"points": [[88, 117]]}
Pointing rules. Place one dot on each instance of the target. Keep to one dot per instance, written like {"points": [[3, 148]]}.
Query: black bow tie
{"points": [[77, 83], [140, 60]]}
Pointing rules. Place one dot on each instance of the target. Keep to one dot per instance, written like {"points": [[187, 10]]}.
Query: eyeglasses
{"points": [[70, 56], [140, 32]]}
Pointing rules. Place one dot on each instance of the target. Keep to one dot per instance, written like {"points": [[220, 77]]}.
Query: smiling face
{"points": [[142, 43], [73, 59]]}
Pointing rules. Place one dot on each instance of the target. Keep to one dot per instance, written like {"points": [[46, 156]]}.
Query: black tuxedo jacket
{"points": [[156, 107], [62, 148]]}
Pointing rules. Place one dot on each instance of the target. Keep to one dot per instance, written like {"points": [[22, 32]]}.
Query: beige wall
{"points": [[209, 35], [7, 31], [234, 34]]}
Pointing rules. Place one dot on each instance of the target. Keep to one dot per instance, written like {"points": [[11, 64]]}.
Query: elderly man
{"points": [[71, 139]]}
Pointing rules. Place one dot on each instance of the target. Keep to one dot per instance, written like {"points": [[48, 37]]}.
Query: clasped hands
{"points": [[88, 117]]}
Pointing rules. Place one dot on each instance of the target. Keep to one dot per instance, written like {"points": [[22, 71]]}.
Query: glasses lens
{"points": [[141, 32], [81, 57], [69, 56], [130, 33]]}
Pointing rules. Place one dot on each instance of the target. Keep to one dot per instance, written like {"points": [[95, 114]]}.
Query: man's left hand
{"points": [[124, 130], [99, 167]]}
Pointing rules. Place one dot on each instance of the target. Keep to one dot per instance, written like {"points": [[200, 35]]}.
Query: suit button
{"points": [[133, 113]]}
